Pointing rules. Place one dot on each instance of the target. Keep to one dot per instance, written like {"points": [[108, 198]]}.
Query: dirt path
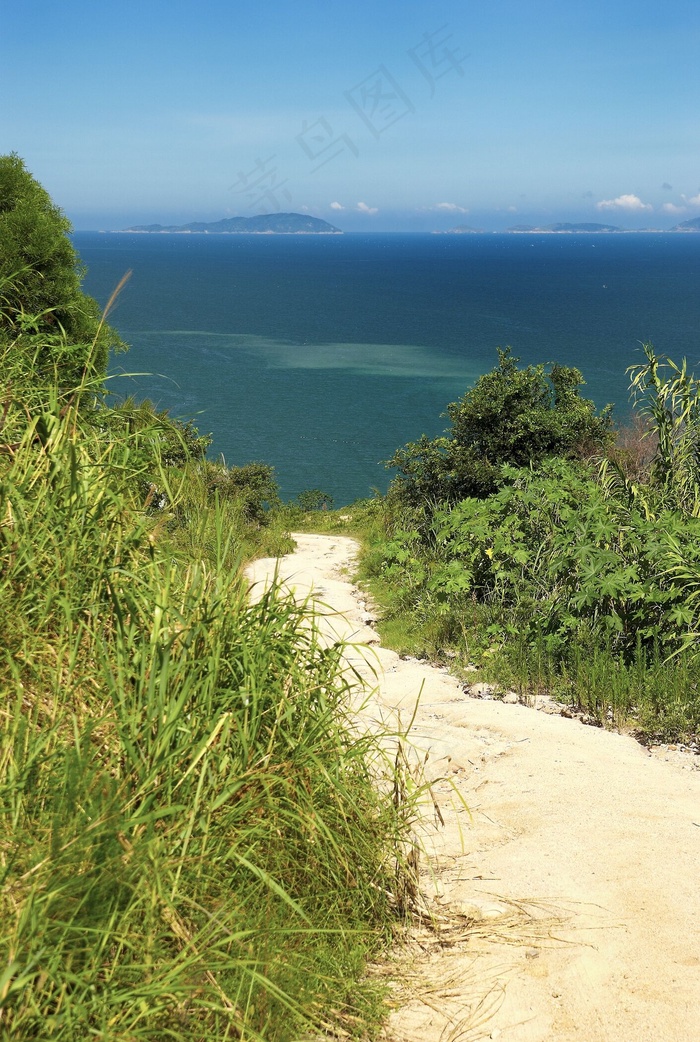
{"points": [[569, 890]]}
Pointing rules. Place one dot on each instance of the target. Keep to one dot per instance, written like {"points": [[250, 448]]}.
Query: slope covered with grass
{"points": [[192, 846]]}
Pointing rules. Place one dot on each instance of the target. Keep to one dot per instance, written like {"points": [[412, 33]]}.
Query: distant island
{"points": [[462, 229], [264, 224], [688, 226], [692, 225], [303, 224], [590, 228]]}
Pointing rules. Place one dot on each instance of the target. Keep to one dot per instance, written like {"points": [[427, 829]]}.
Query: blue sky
{"points": [[376, 115]]}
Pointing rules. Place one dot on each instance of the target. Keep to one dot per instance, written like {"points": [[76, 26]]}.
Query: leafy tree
{"points": [[511, 416], [253, 486], [43, 310], [314, 499]]}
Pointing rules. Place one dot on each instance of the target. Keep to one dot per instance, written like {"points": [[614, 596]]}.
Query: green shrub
{"points": [[314, 499], [579, 579], [511, 416]]}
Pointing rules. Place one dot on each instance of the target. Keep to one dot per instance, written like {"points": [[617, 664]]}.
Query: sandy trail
{"points": [[578, 860]]}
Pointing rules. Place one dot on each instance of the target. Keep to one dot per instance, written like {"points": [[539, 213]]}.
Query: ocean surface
{"points": [[323, 354]]}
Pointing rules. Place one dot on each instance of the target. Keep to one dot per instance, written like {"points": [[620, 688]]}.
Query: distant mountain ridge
{"points": [[263, 224], [589, 227], [693, 225], [463, 229]]}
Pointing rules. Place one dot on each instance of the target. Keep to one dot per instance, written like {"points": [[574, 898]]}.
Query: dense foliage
{"points": [[511, 416], [44, 311], [578, 572]]}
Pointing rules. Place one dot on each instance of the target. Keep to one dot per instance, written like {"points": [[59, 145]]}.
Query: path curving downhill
{"points": [[568, 892]]}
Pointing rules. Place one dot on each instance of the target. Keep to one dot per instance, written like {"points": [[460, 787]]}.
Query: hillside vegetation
{"points": [[192, 845], [549, 551]]}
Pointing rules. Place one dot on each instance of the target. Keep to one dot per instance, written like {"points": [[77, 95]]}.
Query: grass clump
{"points": [[191, 843]]}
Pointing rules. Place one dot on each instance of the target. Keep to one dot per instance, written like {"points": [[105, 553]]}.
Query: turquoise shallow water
{"points": [[323, 354]]}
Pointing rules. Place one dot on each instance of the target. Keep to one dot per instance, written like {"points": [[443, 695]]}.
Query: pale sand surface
{"points": [[568, 895]]}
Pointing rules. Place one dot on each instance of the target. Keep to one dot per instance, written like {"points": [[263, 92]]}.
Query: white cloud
{"points": [[364, 208], [337, 206], [672, 208], [450, 207], [624, 202], [695, 201], [512, 209]]}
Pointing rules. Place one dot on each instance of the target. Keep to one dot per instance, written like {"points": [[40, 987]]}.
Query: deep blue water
{"points": [[323, 354]]}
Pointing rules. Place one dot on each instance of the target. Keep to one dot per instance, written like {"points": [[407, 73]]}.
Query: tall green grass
{"points": [[659, 698], [199, 510], [191, 842]]}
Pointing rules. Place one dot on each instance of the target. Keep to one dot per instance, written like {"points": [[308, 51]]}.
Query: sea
{"points": [[321, 355]]}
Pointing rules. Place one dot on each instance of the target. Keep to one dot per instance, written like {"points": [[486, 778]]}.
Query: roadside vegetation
{"points": [[192, 842], [553, 552]]}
